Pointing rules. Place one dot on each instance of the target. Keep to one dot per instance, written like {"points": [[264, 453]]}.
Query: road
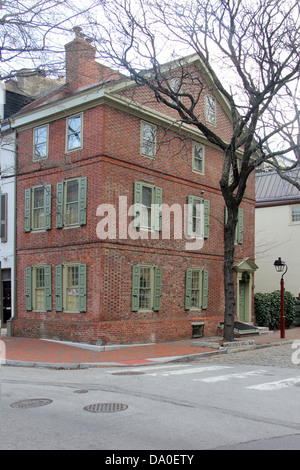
{"points": [[244, 400]]}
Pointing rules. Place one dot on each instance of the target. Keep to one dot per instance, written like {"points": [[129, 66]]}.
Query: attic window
{"points": [[210, 109]]}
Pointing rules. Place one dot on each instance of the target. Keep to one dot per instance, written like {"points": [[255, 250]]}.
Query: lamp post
{"points": [[281, 267]]}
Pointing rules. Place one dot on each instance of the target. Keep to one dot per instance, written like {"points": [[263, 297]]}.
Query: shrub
{"points": [[267, 309], [262, 309]]}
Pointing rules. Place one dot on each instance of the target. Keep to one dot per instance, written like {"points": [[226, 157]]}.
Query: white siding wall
{"points": [[276, 236]]}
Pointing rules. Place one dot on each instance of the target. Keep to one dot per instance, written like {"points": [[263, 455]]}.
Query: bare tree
{"points": [[255, 45], [33, 33]]}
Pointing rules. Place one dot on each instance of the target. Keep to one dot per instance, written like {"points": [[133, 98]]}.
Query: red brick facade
{"points": [[109, 158]]}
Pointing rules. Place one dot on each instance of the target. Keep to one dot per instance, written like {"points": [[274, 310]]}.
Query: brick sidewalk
{"points": [[31, 351]]}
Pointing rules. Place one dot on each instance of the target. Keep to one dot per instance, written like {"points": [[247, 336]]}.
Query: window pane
{"points": [[145, 288], [38, 208], [146, 206], [198, 157], [40, 142], [197, 206], [195, 298], [72, 288], [39, 291], [74, 132], [210, 110], [72, 192], [148, 143], [296, 214]]}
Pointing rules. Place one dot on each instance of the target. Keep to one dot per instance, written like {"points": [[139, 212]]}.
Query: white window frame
{"points": [[199, 288], [33, 228], [67, 288], [293, 206], [195, 145], [74, 224], [199, 215], [46, 142], [208, 110], [35, 288], [79, 115], [142, 140]]}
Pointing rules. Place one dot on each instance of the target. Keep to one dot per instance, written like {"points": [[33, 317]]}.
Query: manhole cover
{"points": [[31, 403], [105, 407], [80, 391]]}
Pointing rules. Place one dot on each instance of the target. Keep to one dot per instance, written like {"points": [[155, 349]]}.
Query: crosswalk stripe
{"points": [[276, 385], [220, 378], [192, 370]]}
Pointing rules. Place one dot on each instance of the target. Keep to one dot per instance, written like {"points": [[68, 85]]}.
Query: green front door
{"points": [[242, 309]]}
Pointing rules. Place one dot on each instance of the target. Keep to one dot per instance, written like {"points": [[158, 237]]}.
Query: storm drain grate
{"points": [[80, 391], [31, 403], [105, 407]]}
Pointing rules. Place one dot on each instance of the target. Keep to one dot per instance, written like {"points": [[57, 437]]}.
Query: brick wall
{"points": [[110, 159]]}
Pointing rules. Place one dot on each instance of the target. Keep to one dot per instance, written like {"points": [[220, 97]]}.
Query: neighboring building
{"points": [[277, 231], [86, 153], [14, 95]]}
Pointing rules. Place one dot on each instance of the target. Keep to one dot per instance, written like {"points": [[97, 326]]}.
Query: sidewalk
{"points": [[47, 353]]}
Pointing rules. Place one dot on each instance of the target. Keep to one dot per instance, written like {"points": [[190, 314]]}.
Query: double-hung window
{"points": [[146, 287], [71, 203], [198, 158], [38, 208], [196, 289], [74, 132], [38, 288], [70, 286], [148, 139], [295, 214], [198, 217], [147, 206], [40, 142]]}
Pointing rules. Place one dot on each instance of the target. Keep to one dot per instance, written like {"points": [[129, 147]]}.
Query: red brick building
{"points": [[87, 152]]}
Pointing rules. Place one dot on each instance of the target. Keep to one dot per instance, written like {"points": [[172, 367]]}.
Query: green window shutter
{"points": [[82, 287], [48, 289], [27, 210], [59, 287], [157, 289], [188, 289], [240, 226], [28, 289], [82, 200], [137, 201], [189, 216], [204, 289], [135, 288], [48, 207], [59, 204], [206, 218], [158, 213]]}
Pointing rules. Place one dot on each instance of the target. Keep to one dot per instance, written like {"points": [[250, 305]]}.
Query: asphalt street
{"points": [[243, 400]]}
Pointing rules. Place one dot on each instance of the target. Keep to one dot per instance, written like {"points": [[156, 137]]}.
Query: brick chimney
{"points": [[81, 67]]}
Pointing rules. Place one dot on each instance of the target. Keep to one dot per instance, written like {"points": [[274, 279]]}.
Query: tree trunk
{"points": [[228, 270]]}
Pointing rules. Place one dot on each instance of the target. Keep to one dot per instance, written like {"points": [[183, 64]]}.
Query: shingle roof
{"points": [[271, 188]]}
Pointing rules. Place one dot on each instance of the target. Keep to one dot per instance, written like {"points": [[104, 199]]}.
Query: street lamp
{"points": [[281, 267]]}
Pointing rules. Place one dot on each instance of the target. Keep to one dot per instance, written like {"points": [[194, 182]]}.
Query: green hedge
{"points": [[267, 309]]}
